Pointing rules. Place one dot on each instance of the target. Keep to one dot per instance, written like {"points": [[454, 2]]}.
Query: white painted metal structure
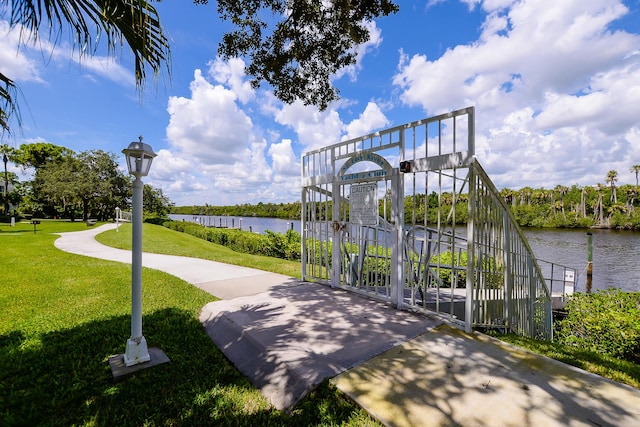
{"points": [[403, 236]]}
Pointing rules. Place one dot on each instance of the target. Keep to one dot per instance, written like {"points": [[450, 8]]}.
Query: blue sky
{"points": [[555, 84]]}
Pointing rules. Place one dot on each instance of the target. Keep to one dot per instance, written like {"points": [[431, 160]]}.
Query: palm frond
{"points": [[8, 105], [134, 22]]}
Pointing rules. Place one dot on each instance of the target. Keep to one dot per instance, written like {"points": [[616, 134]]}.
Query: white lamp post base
{"points": [[136, 351]]}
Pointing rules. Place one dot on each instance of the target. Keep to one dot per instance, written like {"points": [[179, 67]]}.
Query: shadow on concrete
{"points": [[287, 340], [447, 377]]}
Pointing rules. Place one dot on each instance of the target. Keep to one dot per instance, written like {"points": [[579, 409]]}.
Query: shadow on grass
{"points": [[64, 379]]}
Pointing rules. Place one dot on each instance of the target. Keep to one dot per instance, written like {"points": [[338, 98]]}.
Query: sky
{"points": [[555, 86]]}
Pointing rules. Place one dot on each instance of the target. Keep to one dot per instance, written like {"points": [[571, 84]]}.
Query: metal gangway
{"points": [[409, 216]]}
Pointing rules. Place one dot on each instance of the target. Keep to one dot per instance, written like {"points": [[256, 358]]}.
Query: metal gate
{"points": [[389, 215]]}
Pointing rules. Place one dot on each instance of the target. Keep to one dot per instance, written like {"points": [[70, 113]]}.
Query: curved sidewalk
{"points": [[221, 280]]}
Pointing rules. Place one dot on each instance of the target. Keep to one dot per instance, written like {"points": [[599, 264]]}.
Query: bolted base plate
{"points": [[120, 371]]}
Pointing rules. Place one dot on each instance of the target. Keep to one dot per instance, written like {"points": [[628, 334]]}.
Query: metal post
{"points": [[397, 239], [508, 282], [303, 232], [468, 310], [589, 260], [136, 351], [337, 235], [6, 185]]}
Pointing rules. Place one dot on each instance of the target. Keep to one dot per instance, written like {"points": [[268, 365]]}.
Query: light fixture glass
{"points": [[139, 157]]}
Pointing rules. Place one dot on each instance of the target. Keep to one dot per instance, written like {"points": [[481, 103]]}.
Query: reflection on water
{"points": [[615, 253]]}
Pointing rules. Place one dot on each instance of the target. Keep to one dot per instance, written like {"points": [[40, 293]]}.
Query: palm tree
{"points": [[635, 169], [507, 195], [612, 177], [631, 197], [134, 22], [525, 195], [562, 191], [599, 208]]}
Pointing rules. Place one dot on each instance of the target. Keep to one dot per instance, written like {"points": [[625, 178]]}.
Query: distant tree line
{"points": [[72, 185], [602, 205], [264, 210]]}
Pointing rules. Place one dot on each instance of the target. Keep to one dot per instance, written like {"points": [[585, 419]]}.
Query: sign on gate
{"points": [[363, 204]]}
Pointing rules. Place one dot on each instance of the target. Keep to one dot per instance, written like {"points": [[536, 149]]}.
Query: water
{"points": [[615, 253], [254, 224]]}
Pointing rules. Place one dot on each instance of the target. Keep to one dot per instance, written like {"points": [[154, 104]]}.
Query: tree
{"points": [[599, 208], [635, 169], [38, 154], [90, 181], [55, 184], [118, 22], [294, 46], [5, 150], [304, 48], [155, 203], [562, 191], [612, 177]]}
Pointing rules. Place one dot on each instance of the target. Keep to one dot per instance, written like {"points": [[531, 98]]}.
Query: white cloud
{"points": [[209, 126], [555, 89], [214, 142], [13, 62], [314, 128], [284, 160], [371, 118], [375, 39], [232, 73], [19, 59], [104, 67]]}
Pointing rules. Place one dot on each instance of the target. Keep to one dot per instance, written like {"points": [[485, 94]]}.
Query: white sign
{"points": [[569, 276], [363, 204]]}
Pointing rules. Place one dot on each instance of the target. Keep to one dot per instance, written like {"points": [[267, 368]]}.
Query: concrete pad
{"points": [[287, 340], [120, 371], [245, 286], [447, 377]]}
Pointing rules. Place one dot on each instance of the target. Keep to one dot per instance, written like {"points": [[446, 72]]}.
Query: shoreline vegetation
{"points": [[597, 207]]}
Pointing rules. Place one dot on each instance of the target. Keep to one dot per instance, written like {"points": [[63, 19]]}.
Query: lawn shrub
{"points": [[272, 244], [606, 321]]}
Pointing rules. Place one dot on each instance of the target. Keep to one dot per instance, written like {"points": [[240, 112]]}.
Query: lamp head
{"points": [[139, 157]]}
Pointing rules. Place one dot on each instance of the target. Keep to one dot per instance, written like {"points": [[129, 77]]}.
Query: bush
{"points": [[604, 321], [456, 263], [157, 220], [450, 263], [278, 245]]}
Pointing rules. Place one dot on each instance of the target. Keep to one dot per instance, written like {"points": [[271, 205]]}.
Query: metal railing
{"points": [[445, 241], [501, 253]]}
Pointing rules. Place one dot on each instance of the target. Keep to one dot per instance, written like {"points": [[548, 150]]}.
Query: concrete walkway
{"points": [[219, 279], [405, 369]]}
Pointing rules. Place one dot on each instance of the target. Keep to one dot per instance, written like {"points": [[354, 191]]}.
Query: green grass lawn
{"points": [[63, 315], [164, 241]]}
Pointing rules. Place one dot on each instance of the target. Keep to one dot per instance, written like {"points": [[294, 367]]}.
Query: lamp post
{"points": [[5, 159], [139, 157]]}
